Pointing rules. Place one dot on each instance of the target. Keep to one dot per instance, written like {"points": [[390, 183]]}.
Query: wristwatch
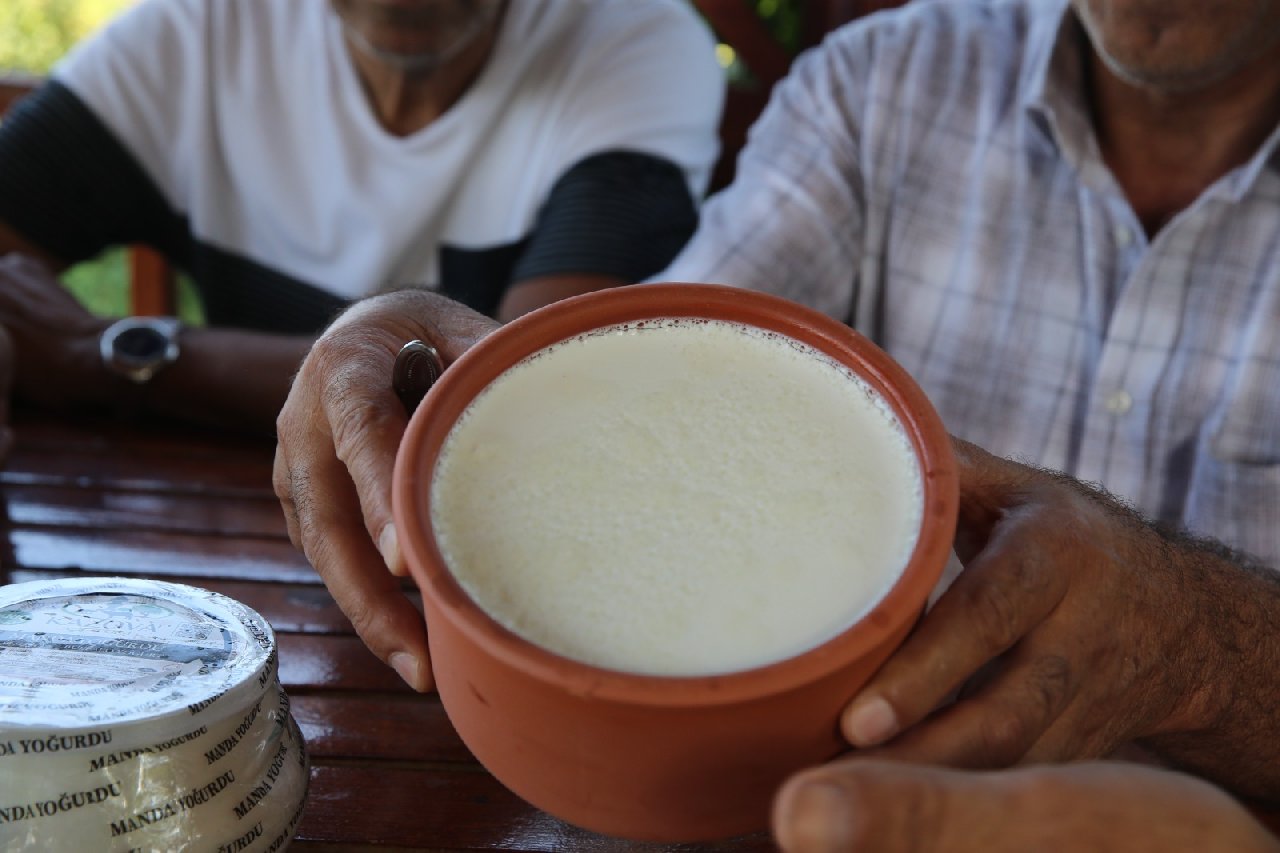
{"points": [[138, 348]]}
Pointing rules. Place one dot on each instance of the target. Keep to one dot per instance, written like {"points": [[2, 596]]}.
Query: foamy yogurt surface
{"points": [[679, 497]]}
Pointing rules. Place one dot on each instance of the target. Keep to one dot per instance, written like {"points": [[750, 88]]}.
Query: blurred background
{"points": [[35, 33]]}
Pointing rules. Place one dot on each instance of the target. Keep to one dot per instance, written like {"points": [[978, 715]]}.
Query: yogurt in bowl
{"points": [[663, 534]]}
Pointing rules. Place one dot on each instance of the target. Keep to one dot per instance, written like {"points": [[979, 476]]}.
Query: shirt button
{"points": [[1119, 402], [1123, 236]]}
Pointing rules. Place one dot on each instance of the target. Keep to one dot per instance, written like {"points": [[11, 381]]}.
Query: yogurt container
{"points": [[142, 715]]}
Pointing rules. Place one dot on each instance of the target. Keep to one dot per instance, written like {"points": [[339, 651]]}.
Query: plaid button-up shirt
{"points": [[931, 176]]}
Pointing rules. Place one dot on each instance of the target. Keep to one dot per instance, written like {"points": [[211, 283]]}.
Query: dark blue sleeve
{"points": [[70, 187], [620, 213]]}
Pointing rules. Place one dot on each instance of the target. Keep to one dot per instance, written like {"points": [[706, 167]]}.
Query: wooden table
{"points": [[388, 772], [175, 504]]}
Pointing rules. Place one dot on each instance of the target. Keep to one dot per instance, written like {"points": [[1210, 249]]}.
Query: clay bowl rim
{"points": [[507, 345]]}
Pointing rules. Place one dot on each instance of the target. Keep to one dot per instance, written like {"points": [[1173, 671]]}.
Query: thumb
{"points": [[986, 479], [989, 486], [884, 807]]}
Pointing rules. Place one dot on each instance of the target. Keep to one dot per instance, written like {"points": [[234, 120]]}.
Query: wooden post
{"points": [[151, 283]]}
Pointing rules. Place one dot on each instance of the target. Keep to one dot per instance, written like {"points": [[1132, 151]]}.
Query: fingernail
{"points": [[389, 548], [818, 820], [871, 723], [406, 666]]}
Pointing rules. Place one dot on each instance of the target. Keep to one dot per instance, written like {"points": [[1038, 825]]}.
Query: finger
{"points": [[1115, 806], [989, 487], [462, 337], [454, 328], [334, 539], [393, 319], [326, 520], [1082, 733], [986, 479], [339, 436], [1000, 724], [1003, 593], [294, 425], [367, 421], [861, 805], [28, 278], [885, 807], [16, 264], [282, 483], [23, 262]]}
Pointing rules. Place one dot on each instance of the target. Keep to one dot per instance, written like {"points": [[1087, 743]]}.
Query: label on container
{"points": [[240, 786]]}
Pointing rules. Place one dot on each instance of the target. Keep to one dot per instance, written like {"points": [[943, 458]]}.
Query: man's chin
{"points": [[1171, 81], [421, 60], [404, 54]]}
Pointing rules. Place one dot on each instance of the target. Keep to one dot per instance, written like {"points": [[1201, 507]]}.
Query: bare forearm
{"points": [[1204, 653], [222, 377], [528, 295], [1232, 735], [228, 378]]}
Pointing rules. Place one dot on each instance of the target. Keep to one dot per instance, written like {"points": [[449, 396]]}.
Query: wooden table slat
{"points": [[104, 453], [143, 442], [370, 728], [402, 807], [290, 608], [112, 509], [158, 553], [316, 661], [232, 480]]}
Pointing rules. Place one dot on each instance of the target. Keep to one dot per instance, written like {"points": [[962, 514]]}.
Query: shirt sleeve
{"points": [[145, 76], [68, 185], [644, 78], [792, 221], [619, 213]]}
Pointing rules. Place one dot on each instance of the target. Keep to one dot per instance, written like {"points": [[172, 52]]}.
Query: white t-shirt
{"points": [[250, 119]]}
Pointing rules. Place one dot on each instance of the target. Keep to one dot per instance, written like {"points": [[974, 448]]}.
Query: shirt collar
{"points": [[1054, 97], [1242, 179], [1055, 93]]}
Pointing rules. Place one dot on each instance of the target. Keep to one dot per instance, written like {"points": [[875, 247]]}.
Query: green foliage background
{"points": [[34, 33]]}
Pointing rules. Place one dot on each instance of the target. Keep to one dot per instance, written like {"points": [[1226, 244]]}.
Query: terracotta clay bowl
{"points": [[639, 756]]}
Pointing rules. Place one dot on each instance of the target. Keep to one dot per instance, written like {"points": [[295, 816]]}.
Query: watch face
{"points": [[140, 344]]}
